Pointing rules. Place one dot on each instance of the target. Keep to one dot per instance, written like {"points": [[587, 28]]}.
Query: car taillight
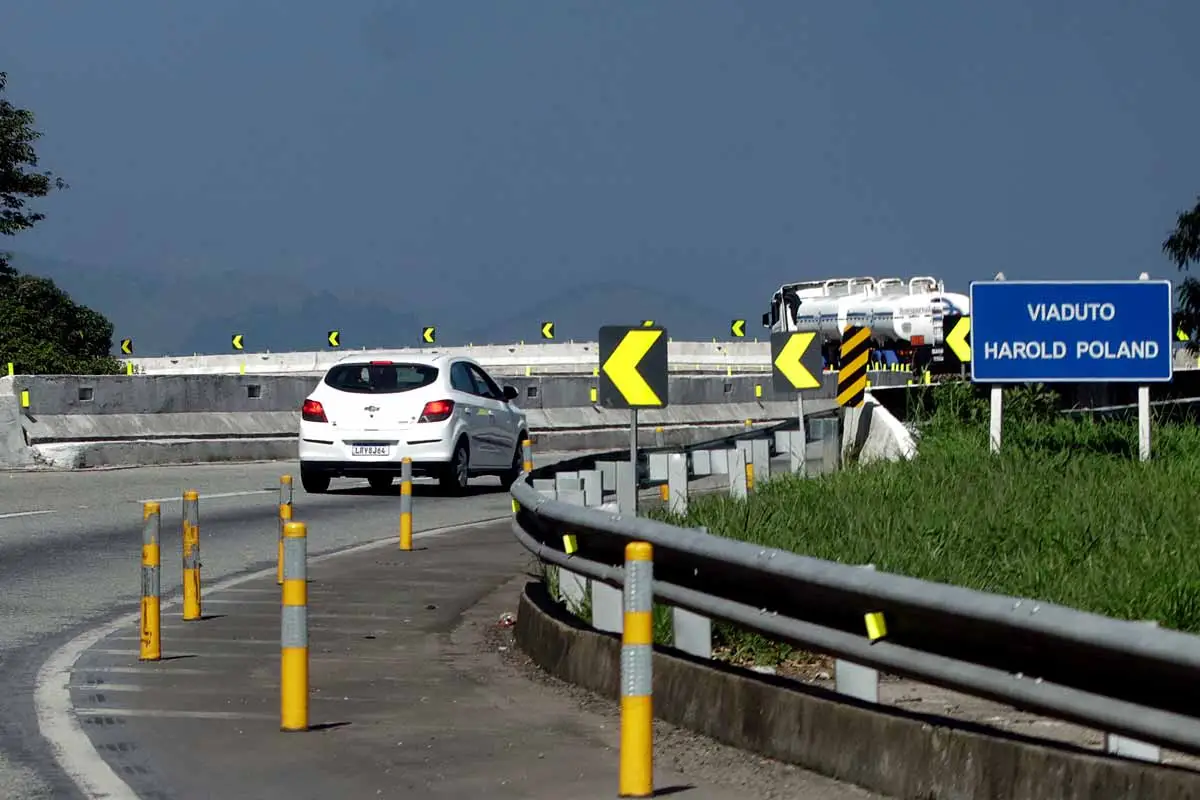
{"points": [[381, 363], [313, 411], [437, 411]]}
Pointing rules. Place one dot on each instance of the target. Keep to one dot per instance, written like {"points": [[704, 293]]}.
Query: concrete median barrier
{"points": [[888, 750], [76, 422]]}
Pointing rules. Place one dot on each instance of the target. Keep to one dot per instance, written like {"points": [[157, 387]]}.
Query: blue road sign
{"points": [[1062, 331]]}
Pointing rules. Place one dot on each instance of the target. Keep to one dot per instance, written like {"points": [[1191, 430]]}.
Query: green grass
{"points": [[1065, 513]]}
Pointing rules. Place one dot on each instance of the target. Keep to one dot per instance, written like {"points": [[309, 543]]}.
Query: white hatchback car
{"points": [[444, 412]]}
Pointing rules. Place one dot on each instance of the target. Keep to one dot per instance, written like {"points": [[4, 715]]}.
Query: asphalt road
{"points": [[70, 550], [69, 561]]}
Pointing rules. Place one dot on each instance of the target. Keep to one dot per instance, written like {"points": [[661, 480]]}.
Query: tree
{"points": [[41, 329], [1183, 247]]}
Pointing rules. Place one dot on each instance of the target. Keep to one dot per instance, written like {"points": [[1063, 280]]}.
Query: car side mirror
{"points": [[510, 393]]}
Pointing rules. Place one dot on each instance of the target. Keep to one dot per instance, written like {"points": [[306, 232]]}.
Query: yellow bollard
{"points": [[293, 632], [637, 661], [664, 492], [151, 649], [285, 516], [749, 477], [527, 455], [191, 555], [406, 503]]}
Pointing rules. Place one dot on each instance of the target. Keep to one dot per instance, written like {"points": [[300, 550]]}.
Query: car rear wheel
{"points": [[380, 483], [314, 481], [456, 475]]}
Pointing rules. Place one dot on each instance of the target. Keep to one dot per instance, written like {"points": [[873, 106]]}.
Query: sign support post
{"points": [[1143, 394], [633, 375], [797, 366], [996, 417]]}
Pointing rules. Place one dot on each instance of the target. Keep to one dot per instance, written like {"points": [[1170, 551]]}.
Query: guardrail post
{"points": [[593, 487], [606, 600], [1132, 748], [608, 475], [637, 662], [293, 630], [677, 484], [760, 451], [406, 503], [855, 680], [191, 555], [572, 587], [285, 516], [151, 649], [831, 444], [738, 483], [627, 487]]}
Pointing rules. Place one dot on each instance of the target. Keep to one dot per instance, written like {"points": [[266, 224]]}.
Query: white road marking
{"points": [[163, 670], [162, 712], [57, 720], [15, 514], [107, 687], [179, 497]]}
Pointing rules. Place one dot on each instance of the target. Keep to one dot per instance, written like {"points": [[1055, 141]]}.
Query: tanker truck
{"points": [[905, 317]]}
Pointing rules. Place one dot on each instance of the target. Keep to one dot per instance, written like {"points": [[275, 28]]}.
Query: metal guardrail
{"points": [[1125, 677]]}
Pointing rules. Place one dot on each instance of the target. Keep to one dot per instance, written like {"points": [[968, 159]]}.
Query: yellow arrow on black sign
{"points": [[738, 328], [334, 338], [429, 334], [127, 346], [547, 330], [958, 338], [237, 342], [797, 363], [633, 367]]}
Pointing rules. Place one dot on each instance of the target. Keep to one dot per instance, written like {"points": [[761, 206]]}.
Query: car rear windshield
{"points": [[380, 378]]}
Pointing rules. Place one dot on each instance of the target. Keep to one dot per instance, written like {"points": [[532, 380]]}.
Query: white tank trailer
{"points": [[905, 317]]}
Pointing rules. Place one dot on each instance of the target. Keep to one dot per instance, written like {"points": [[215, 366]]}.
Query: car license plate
{"points": [[370, 450]]}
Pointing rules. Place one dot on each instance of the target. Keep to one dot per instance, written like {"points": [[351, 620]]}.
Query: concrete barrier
{"points": [[75, 422], [503, 359], [883, 748], [14, 450]]}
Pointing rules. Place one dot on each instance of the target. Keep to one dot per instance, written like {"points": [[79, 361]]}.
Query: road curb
{"points": [[884, 749]]}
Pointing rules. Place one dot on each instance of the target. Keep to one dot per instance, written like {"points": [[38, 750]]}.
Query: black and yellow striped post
{"points": [[637, 653], [151, 649], [293, 630], [285, 516], [852, 374], [406, 500], [191, 555]]}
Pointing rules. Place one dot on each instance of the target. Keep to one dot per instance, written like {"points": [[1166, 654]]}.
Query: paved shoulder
{"points": [[413, 693]]}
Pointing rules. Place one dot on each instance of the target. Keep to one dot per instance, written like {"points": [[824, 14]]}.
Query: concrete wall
{"points": [[238, 394], [13, 450], [885, 749], [571, 357]]}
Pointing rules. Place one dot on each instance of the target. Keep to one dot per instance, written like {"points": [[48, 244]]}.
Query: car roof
{"points": [[402, 357]]}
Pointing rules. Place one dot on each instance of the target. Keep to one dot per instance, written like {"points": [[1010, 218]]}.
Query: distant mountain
{"points": [[181, 314]]}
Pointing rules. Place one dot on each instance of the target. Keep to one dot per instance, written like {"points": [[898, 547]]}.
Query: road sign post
{"points": [[1072, 331], [633, 375], [796, 366]]}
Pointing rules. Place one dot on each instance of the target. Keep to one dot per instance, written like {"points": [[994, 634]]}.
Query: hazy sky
{"points": [[521, 148]]}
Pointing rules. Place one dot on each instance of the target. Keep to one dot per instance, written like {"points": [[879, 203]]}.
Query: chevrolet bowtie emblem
{"points": [[371, 408]]}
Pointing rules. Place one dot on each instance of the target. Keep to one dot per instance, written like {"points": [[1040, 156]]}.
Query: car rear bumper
{"points": [[341, 454]]}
